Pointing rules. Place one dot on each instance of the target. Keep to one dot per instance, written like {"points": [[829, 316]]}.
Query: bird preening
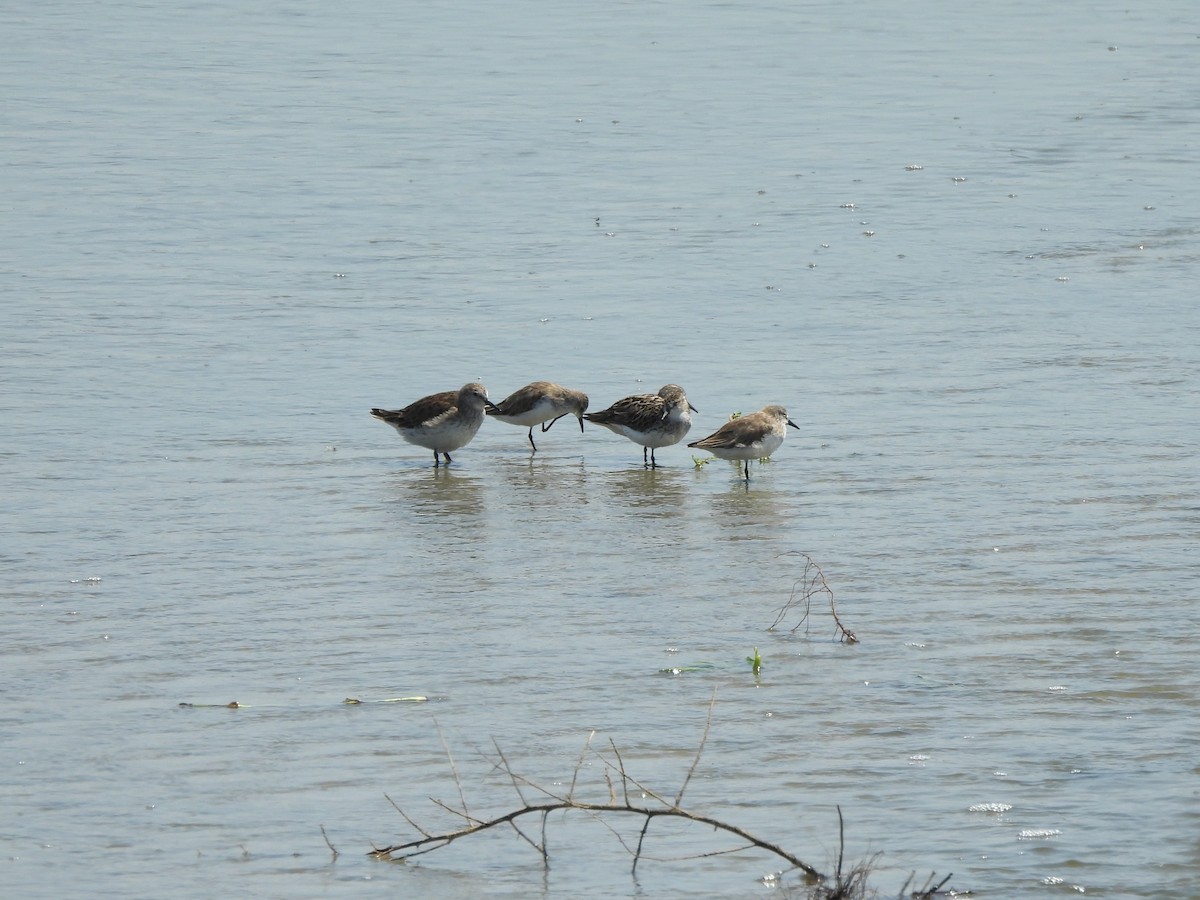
{"points": [[540, 403]]}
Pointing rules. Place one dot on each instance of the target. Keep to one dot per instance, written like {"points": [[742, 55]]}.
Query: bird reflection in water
{"points": [[441, 495]]}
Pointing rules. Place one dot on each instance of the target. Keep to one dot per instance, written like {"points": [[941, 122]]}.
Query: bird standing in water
{"points": [[540, 403], [753, 436], [652, 420], [440, 422]]}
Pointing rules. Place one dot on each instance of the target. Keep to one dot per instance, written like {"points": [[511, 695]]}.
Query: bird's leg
{"points": [[436, 462], [448, 460], [531, 443]]}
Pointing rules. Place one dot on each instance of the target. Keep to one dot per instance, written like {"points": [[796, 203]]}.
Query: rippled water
{"points": [[958, 244]]}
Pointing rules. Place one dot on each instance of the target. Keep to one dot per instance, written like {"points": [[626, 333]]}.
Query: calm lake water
{"points": [[959, 244]]}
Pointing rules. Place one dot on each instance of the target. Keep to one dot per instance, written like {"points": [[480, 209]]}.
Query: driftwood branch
{"points": [[434, 841], [621, 788], [810, 584]]}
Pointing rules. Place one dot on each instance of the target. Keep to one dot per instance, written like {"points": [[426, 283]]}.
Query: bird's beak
{"points": [[793, 424], [692, 408], [581, 423], [488, 404]]}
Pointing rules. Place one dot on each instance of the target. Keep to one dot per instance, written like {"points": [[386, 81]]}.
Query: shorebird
{"points": [[540, 403], [753, 436], [652, 420], [441, 422]]}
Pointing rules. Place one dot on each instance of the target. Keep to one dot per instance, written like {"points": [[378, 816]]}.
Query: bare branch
{"points": [[579, 765], [406, 818], [453, 768], [507, 768], [620, 768], [633, 799], [423, 844], [699, 749], [627, 780], [540, 848], [518, 780], [811, 582], [612, 791], [462, 814], [332, 849], [931, 890]]}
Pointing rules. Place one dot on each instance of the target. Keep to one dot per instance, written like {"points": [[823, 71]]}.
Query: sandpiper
{"points": [[442, 422], [652, 420], [752, 436], [540, 403]]}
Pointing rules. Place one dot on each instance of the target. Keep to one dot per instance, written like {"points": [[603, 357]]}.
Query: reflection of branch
{"points": [[653, 806], [811, 583]]}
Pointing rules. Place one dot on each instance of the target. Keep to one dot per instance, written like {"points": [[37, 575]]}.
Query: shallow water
{"points": [[958, 246]]}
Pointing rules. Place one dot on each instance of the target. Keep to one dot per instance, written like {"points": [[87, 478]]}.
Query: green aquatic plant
{"points": [[755, 662]]}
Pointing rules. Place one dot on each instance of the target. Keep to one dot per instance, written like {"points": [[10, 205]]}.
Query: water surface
{"points": [[957, 244]]}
